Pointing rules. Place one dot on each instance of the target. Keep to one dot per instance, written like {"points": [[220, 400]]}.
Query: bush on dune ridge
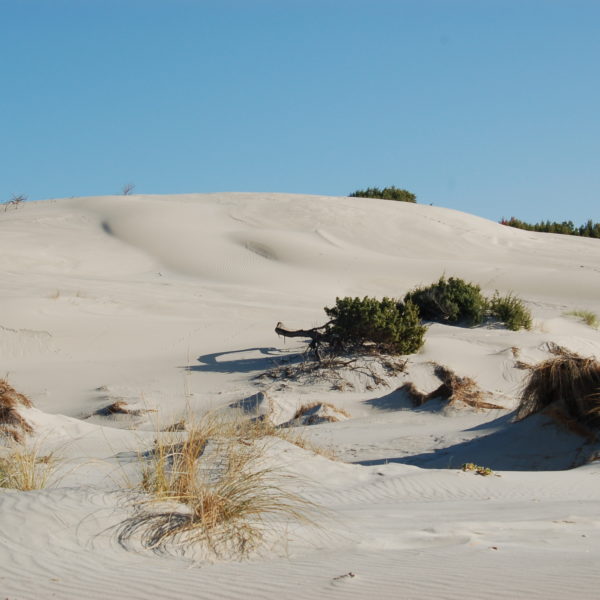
{"points": [[388, 193]]}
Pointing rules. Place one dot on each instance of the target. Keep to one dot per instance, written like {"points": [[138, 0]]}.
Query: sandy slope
{"points": [[170, 301]]}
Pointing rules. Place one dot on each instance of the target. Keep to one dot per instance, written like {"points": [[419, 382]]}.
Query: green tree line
{"points": [[589, 229]]}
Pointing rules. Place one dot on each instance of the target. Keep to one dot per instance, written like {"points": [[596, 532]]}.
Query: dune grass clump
{"points": [[511, 311], [587, 316], [209, 489], [12, 424], [450, 301], [567, 384]]}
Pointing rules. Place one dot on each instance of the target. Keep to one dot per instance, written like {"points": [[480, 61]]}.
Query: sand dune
{"points": [[167, 304]]}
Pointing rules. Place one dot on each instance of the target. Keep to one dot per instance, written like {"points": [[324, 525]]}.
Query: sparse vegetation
{"points": [[371, 368], [511, 311], [567, 384], [588, 317], [388, 193], [450, 301]]}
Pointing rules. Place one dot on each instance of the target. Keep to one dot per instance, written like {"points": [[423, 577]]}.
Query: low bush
{"points": [[511, 311], [392, 327], [456, 301], [450, 301]]}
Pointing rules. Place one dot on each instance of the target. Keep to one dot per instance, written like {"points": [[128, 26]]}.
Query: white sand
{"points": [[171, 301]]}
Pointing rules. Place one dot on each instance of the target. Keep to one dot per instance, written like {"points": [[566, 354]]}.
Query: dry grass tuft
{"points": [[313, 413], [454, 389], [25, 469], [522, 365], [212, 490], [120, 407], [567, 383], [12, 424], [177, 426], [251, 430]]}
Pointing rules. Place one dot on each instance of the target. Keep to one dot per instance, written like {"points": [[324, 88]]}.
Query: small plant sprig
{"points": [[15, 200], [511, 310], [587, 316], [484, 471]]}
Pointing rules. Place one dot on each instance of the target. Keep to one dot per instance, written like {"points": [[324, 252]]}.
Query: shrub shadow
{"points": [[226, 362]]}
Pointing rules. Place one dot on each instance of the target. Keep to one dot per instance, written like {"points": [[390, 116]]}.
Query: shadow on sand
{"points": [[239, 361], [534, 444]]}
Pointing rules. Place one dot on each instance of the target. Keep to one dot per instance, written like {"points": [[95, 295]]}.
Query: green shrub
{"points": [[393, 327], [511, 311], [389, 193], [450, 301]]}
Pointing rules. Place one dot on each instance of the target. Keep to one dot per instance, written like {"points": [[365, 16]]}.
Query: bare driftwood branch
{"points": [[316, 335]]}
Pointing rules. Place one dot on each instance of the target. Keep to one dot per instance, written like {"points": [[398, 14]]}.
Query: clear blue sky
{"points": [[491, 107]]}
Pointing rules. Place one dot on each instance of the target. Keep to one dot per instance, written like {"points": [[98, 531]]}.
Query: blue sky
{"points": [[491, 107]]}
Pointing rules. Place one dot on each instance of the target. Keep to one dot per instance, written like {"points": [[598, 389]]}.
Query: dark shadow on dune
{"points": [[226, 362], [534, 444], [400, 400], [251, 404], [503, 421]]}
